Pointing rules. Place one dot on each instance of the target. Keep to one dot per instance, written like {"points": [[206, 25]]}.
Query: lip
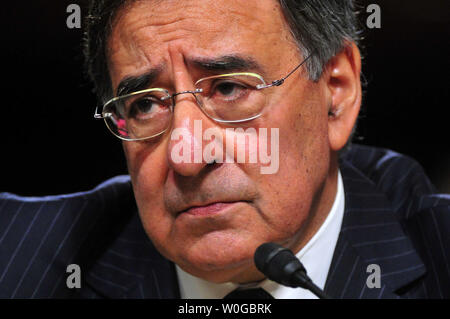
{"points": [[209, 209]]}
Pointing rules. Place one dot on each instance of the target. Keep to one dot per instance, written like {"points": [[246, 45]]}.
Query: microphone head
{"points": [[278, 264]]}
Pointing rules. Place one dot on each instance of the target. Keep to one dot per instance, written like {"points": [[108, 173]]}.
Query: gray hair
{"points": [[321, 27]]}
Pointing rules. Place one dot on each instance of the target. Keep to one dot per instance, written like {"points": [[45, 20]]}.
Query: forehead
{"points": [[144, 30]]}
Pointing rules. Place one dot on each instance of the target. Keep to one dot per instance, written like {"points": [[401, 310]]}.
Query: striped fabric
{"points": [[393, 218], [98, 230]]}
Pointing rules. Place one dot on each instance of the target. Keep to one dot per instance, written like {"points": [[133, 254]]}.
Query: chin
{"points": [[216, 263], [218, 275]]}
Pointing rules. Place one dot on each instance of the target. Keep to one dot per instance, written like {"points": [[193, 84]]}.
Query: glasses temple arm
{"points": [[281, 81], [96, 114]]}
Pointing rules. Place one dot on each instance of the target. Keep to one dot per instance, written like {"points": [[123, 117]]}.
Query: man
{"points": [[169, 71]]}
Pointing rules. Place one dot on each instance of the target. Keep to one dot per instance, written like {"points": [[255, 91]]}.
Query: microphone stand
{"points": [[303, 281]]}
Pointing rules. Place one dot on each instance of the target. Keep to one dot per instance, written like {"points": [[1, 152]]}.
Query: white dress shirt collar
{"points": [[316, 256]]}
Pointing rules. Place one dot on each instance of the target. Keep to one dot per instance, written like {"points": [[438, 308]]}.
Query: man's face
{"points": [[210, 218]]}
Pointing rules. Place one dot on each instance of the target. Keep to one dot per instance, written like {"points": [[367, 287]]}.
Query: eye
{"points": [[228, 90], [144, 105], [144, 108]]}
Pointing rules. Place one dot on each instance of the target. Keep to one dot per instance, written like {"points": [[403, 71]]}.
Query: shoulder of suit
{"points": [[401, 178], [109, 197], [119, 183]]}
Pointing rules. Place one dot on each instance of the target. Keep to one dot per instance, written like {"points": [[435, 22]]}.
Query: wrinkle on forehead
{"points": [[143, 29]]}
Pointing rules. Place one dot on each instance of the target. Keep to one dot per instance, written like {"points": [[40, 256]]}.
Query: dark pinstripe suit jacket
{"points": [[392, 218]]}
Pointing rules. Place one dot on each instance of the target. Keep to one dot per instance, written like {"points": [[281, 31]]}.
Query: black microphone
{"points": [[280, 265]]}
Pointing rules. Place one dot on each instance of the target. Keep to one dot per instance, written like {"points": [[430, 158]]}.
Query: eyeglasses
{"points": [[225, 98]]}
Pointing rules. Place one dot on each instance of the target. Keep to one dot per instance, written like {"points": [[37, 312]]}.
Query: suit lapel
{"points": [[131, 267], [370, 234], [160, 283]]}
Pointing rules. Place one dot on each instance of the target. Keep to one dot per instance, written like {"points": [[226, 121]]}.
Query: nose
{"points": [[185, 147], [186, 144]]}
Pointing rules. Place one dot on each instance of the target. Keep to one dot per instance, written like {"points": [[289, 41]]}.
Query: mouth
{"points": [[209, 209]]}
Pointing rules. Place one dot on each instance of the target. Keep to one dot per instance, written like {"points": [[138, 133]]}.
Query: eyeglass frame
{"points": [[194, 92]]}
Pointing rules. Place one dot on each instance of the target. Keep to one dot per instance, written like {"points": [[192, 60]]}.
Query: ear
{"points": [[344, 88]]}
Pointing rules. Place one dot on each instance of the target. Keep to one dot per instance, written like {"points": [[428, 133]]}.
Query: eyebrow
{"points": [[132, 84], [226, 63]]}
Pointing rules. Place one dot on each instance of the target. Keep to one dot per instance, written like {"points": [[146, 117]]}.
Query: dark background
{"points": [[50, 143]]}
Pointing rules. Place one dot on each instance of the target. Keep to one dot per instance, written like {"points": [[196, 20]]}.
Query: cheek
{"points": [[147, 167], [303, 163], [285, 203], [146, 164], [304, 137]]}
